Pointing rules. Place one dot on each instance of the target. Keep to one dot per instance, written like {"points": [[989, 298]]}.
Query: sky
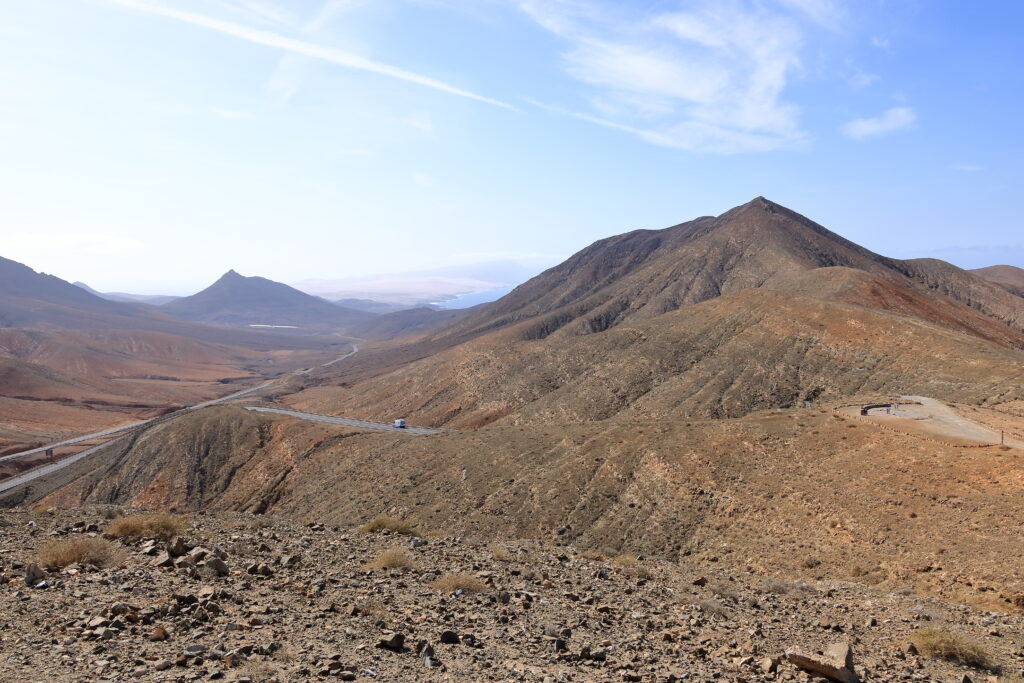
{"points": [[150, 145]]}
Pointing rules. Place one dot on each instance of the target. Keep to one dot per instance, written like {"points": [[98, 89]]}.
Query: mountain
{"points": [[758, 308], [151, 299], [240, 301], [645, 273], [36, 300], [1010, 277]]}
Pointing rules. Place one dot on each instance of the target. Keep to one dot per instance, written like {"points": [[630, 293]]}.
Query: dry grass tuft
{"points": [[395, 558], [58, 553], [111, 513], [935, 642], [467, 583], [392, 524], [161, 525], [625, 560], [500, 552], [714, 607]]}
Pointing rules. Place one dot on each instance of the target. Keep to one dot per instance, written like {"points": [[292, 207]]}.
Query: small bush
{"points": [[467, 583], [395, 558], [161, 525], [500, 552], [372, 607], [111, 513], [935, 642], [392, 524], [58, 553], [714, 607], [594, 555], [624, 560]]}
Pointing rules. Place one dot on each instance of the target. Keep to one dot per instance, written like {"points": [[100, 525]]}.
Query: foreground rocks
{"points": [[239, 598]]}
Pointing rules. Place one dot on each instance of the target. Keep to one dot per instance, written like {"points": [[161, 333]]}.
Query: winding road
{"points": [[120, 432]]}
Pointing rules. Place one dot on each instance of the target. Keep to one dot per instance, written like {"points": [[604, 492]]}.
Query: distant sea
{"points": [[474, 298]]}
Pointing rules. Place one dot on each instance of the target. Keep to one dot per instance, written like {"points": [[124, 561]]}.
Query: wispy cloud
{"points": [[889, 121], [302, 47], [710, 78]]}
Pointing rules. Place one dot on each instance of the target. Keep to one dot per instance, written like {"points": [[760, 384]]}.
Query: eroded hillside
{"points": [[800, 493]]}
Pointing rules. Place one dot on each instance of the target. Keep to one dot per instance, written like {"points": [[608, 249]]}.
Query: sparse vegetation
{"points": [[625, 560], [161, 525], [713, 607], [392, 524], [58, 553], [500, 552], [937, 642], [394, 558], [467, 583], [112, 513]]}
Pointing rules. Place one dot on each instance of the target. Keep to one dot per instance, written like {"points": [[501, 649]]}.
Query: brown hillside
{"points": [[742, 352], [1010, 277], [801, 493]]}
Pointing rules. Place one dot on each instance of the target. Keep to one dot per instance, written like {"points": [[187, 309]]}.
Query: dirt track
{"points": [[935, 418]]}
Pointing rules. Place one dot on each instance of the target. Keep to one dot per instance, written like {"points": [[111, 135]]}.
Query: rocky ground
{"points": [[240, 597]]}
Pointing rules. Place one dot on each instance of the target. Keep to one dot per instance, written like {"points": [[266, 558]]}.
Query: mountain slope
{"points": [[804, 493], [240, 301], [36, 300], [411, 321], [1010, 277], [741, 352], [645, 273]]}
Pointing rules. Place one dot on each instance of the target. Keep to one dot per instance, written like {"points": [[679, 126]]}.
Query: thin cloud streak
{"points": [[322, 52], [889, 121]]}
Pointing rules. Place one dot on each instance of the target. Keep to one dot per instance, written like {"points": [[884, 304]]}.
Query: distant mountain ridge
{"points": [[1010, 277], [151, 299], [239, 301], [36, 300]]}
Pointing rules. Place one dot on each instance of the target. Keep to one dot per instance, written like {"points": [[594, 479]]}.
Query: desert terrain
{"points": [[686, 400]]}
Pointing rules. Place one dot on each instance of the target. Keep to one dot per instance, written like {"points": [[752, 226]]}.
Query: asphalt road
{"points": [[43, 470], [26, 477], [360, 424]]}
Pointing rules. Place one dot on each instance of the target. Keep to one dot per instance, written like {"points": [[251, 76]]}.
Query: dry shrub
{"points": [[624, 560], [467, 583], [935, 642], [395, 558], [58, 553], [500, 552], [372, 607], [161, 525], [594, 555], [724, 592], [392, 524], [714, 607], [111, 513], [434, 533], [781, 587], [262, 672]]}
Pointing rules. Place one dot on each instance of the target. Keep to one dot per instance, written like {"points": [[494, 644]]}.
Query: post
{"points": [[1002, 437]]}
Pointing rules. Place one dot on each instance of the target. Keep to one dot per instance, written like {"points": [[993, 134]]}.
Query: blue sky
{"points": [[151, 145]]}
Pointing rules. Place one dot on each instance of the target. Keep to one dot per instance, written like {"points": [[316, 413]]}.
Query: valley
{"points": [[691, 396]]}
